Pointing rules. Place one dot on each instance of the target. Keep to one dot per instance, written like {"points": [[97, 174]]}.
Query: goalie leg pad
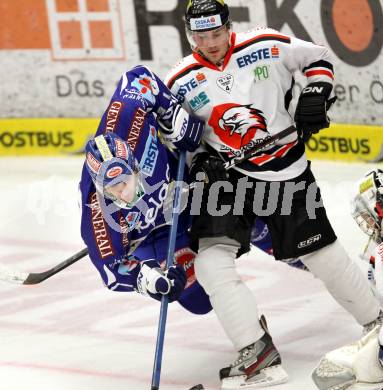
{"points": [[331, 376], [352, 366], [366, 365]]}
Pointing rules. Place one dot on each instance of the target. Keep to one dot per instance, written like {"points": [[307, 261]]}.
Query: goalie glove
{"points": [[183, 131], [311, 112], [153, 282]]}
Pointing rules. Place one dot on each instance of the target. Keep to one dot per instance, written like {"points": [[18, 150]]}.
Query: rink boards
{"points": [[67, 136]]}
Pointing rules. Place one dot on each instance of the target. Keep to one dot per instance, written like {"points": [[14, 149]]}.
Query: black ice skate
{"points": [[258, 365]]}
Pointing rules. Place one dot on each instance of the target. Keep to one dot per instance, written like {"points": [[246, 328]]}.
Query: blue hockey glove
{"points": [[152, 281], [184, 132], [311, 112]]}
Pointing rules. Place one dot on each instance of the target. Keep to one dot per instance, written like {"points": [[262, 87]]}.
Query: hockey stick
{"points": [[269, 141], [169, 262], [26, 278]]}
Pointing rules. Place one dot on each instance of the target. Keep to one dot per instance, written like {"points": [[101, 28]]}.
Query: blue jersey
{"points": [[119, 240]]}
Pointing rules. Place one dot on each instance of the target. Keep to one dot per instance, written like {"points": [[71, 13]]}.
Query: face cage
{"points": [[190, 35], [371, 223], [139, 193]]}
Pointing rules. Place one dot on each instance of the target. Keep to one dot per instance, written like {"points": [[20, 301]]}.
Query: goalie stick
{"points": [[26, 278]]}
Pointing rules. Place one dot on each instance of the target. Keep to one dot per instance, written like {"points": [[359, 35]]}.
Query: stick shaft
{"points": [[169, 261], [257, 148], [35, 278]]}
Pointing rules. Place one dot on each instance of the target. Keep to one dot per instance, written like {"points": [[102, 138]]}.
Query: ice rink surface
{"points": [[70, 332]]}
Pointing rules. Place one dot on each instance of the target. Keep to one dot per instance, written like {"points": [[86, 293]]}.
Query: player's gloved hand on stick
{"points": [[211, 166], [311, 112], [152, 281], [184, 131], [177, 276]]}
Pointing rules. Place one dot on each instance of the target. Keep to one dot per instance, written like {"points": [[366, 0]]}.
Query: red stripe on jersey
{"points": [[264, 158], [260, 37], [327, 73]]}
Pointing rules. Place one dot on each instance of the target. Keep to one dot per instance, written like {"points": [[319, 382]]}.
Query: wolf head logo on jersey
{"points": [[236, 125]]}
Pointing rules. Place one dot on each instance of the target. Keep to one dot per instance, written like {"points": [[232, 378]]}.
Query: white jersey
{"points": [[248, 97]]}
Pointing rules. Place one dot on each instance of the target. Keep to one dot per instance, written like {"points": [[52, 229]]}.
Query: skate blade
{"points": [[269, 376]]}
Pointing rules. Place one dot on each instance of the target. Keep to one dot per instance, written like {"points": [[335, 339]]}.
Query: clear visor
{"points": [[126, 192], [205, 39]]}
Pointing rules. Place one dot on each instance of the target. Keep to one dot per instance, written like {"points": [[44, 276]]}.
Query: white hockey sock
{"points": [[344, 280], [232, 300]]}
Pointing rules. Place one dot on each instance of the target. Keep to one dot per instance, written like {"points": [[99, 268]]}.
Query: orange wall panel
{"points": [[67, 6], [97, 5], [101, 34], [24, 25]]}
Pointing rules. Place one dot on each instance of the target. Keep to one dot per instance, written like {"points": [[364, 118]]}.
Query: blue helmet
{"points": [[109, 161]]}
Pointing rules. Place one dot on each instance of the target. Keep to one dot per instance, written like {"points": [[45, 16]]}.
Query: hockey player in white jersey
{"points": [[360, 365], [241, 86]]}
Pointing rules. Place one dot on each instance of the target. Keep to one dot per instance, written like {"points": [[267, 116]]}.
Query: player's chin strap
{"points": [[265, 143]]}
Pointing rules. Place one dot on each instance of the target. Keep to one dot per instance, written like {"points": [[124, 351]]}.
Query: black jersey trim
{"points": [[319, 64], [183, 73], [289, 94]]}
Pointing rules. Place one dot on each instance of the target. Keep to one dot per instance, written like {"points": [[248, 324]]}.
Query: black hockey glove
{"points": [[311, 112], [177, 276], [211, 166]]}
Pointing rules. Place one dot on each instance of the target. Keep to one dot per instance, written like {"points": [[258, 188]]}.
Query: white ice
{"points": [[70, 332]]}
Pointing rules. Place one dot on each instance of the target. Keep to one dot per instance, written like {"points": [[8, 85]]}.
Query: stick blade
{"points": [[36, 278], [12, 276]]}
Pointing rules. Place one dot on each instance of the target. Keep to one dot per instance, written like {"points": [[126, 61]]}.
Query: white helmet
{"points": [[367, 204]]}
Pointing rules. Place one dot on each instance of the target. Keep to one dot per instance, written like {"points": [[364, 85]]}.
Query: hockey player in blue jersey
{"points": [[126, 196], [125, 184]]}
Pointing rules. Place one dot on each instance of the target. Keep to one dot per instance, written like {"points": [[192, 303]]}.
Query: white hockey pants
{"points": [[232, 301], [344, 280]]}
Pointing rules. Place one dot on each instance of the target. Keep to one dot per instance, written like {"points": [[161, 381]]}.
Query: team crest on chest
{"points": [[237, 125], [225, 82]]}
